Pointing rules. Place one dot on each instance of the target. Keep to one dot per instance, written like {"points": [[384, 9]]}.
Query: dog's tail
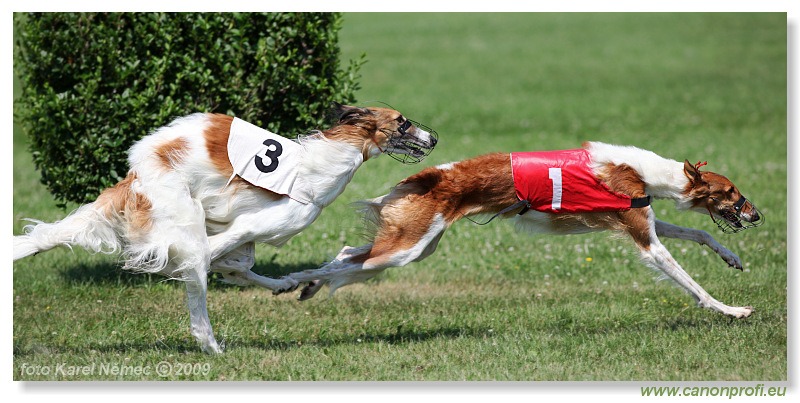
{"points": [[96, 227], [85, 227], [370, 211]]}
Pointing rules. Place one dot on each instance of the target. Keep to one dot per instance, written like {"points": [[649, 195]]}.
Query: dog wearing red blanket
{"points": [[596, 188]]}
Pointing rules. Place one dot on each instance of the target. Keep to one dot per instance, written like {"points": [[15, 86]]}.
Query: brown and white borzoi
{"points": [[183, 210], [412, 218]]}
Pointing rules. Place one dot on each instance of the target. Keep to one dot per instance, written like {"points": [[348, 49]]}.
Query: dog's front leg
{"points": [[196, 291], [665, 229], [192, 260], [659, 257], [642, 227]]}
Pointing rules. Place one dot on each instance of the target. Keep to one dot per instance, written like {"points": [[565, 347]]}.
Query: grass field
{"points": [[491, 304]]}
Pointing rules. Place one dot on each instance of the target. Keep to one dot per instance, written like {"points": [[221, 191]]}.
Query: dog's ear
{"points": [[691, 172], [346, 114], [337, 109]]}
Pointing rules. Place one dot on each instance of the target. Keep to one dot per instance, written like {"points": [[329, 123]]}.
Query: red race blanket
{"points": [[563, 182]]}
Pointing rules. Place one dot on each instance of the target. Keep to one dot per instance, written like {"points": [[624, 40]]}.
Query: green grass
{"points": [[491, 304]]}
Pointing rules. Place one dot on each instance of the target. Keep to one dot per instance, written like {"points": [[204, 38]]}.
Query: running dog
{"points": [[598, 187], [204, 189]]}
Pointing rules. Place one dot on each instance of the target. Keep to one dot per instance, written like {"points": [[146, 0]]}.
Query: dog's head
{"points": [[382, 130], [717, 196]]}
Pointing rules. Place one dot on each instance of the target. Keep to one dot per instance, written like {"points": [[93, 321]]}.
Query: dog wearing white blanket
{"points": [[191, 205]]}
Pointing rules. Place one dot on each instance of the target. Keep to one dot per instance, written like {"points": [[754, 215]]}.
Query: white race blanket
{"points": [[267, 160]]}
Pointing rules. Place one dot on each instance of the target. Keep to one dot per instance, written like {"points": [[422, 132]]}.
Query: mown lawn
{"points": [[491, 304]]}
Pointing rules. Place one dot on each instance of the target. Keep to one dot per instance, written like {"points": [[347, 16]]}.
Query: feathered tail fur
{"points": [[117, 221], [85, 227]]}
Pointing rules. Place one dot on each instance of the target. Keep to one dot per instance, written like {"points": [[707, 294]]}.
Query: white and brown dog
{"points": [[599, 187], [201, 191]]}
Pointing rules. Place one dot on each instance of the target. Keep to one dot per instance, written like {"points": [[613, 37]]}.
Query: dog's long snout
{"points": [[755, 218], [750, 213], [742, 216]]}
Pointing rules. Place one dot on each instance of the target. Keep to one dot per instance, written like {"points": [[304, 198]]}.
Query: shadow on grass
{"points": [[113, 274], [400, 336], [699, 322], [188, 345]]}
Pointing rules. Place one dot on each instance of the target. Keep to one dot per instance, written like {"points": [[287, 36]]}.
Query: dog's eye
{"points": [[404, 126]]}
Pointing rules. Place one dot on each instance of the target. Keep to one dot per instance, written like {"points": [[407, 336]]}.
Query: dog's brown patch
{"points": [[483, 184], [172, 152], [480, 185], [123, 203], [624, 179], [637, 225], [216, 136]]}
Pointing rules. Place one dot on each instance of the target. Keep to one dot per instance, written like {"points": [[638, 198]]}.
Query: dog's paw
{"points": [[349, 251], [310, 290], [740, 312], [731, 259], [288, 285], [209, 345]]}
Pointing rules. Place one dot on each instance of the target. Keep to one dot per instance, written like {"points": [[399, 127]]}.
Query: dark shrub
{"points": [[93, 83]]}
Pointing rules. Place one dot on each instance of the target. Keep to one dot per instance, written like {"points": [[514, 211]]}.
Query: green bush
{"points": [[94, 83]]}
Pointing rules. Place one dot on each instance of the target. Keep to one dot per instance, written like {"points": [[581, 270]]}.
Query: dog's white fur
{"points": [[417, 203], [179, 214]]}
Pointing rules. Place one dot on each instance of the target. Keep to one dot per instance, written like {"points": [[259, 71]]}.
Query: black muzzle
{"points": [[732, 221], [408, 148]]}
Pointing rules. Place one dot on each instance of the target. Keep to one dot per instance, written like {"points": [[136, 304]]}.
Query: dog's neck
{"points": [[664, 178], [327, 167]]}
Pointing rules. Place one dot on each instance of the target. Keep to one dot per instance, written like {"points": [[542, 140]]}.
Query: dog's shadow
{"points": [[400, 336], [111, 273], [184, 345]]}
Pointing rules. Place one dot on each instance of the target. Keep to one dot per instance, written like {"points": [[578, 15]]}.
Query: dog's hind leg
{"points": [[344, 255], [178, 239], [235, 269], [342, 271], [394, 246], [641, 225], [412, 218], [235, 263], [664, 229]]}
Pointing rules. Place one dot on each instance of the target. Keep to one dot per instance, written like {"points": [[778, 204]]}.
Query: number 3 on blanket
{"points": [[555, 176], [274, 150]]}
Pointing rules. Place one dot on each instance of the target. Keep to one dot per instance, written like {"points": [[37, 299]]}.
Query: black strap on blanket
{"points": [[638, 202], [526, 205]]}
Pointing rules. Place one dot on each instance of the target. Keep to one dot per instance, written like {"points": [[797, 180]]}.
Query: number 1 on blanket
{"points": [[555, 176]]}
